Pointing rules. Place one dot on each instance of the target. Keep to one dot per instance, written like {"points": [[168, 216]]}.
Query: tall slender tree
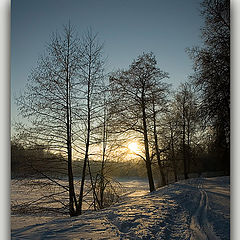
{"points": [[158, 101], [91, 75], [50, 96], [131, 100], [185, 109], [62, 101]]}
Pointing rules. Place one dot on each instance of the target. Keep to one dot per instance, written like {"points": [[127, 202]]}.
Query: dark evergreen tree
{"points": [[212, 73]]}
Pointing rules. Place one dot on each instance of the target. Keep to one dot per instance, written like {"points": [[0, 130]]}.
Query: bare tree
{"points": [[102, 185], [91, 75], [50, 96], [171, 134], [158, 101], [131, 100], [185, 108]]}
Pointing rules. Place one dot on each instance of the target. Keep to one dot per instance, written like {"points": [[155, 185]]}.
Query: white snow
{"points": [[191, 209]]}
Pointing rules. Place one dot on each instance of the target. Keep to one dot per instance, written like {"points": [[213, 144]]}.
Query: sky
{"points": [[126, 27]]}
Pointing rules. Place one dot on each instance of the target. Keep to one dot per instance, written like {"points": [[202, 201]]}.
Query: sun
{"points": [[133, 146]]}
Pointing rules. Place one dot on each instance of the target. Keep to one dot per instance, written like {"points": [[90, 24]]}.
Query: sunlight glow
{"points": [[133, 146]]}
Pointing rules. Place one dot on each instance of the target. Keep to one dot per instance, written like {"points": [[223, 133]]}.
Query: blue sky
{"points": [[127, 27]]}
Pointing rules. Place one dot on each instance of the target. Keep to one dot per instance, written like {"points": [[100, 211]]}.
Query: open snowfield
{"points": [[192, 209]]}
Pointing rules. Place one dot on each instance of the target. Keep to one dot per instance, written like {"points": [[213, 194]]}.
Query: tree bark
{"points": [[157, 147], [183, 144], [104, 141], [148, 161], [87, 146], [173, 154], [72, 197]]}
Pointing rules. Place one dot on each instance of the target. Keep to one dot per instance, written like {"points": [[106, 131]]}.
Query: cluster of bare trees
{"points": [[181, 128], [64, 105], [137, 96]]}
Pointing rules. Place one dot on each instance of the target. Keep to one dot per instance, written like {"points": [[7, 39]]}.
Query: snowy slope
{"points": [[190, 209]]}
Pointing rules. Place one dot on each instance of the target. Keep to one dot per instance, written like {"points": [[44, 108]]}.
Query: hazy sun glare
{"points": [[133, 146]]}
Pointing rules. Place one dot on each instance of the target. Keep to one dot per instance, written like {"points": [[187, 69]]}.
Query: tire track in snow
{"points": [[200, 226]]}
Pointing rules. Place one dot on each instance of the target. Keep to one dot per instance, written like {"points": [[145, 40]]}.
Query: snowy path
{"points": [[195, 209], [200, 226]]}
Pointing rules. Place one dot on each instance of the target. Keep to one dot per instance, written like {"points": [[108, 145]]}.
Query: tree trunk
{"points": [[95, 198], [79, 210], [157, 148], [72, 196], [102, 187], [87, 142], [188, 146], [163, 178], [84, 168], [173, 155], [184, 150], [148, 160]]}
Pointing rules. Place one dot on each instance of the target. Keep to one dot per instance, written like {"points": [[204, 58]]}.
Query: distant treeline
{"points": [[38, 162]]}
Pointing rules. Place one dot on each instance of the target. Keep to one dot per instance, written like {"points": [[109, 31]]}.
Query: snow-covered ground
{"points": [[191, 209]]}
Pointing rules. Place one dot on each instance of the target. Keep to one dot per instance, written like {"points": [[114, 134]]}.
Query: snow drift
{"points": [[190, 209]]}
